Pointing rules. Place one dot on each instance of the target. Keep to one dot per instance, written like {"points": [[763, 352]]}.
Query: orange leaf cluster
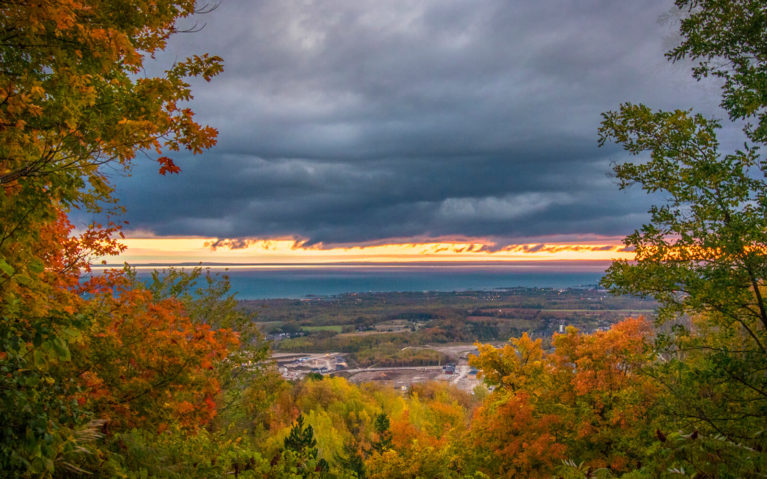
{"points": [[583, 400], [146, 362]]}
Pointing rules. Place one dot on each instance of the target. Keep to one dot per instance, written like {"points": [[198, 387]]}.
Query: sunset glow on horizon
{"points": [[166, 250]]}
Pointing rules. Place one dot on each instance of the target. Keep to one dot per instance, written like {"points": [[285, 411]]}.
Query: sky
{"points": [[350, 127]]}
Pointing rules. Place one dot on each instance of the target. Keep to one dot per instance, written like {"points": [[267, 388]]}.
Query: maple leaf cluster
{"points": [[79, 346]]}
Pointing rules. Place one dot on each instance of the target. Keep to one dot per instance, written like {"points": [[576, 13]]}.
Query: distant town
{"points": [[410, 337]]}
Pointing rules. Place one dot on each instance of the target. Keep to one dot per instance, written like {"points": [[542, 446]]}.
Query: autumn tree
{"points": [[43, 319], [703, 253], [586, 401], [74, 96], [152, 358], [206, 299]]}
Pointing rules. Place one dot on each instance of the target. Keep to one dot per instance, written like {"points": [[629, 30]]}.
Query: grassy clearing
{"points": [[335, 328]]}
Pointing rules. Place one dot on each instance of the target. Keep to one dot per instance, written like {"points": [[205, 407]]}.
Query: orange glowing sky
{"points": [[166, 250]]}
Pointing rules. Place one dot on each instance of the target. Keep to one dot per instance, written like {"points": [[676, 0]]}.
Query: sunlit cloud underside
{"points": [[164, 250]]}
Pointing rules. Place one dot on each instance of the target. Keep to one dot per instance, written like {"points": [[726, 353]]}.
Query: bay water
{"points": [[299, 281]]}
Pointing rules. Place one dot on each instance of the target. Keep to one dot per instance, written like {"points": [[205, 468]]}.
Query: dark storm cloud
{"points": [[366, 120]]}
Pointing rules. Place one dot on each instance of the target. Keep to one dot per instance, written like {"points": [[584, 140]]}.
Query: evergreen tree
{"points": [[301, 442], [382, 425]]}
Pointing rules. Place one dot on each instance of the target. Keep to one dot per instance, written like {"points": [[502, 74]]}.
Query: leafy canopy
{"points": [[703, 254], [75, 96]]}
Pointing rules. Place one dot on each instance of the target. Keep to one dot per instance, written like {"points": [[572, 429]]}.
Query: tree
{"points": [[728, 39], [42, 317], [382, 425], [301, 448], [703, 254], [74, 96], [703, 257], [703, 250], [146, 362], [206, 299], [300, 438], [586, 401]]}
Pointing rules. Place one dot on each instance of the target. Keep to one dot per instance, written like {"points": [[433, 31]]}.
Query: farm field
{"points": [[405, 338]]}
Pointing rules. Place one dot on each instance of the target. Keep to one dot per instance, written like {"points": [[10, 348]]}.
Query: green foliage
{"points": [[352, 461], [303, 446], [703, 255], [728, 39], [176, 454], [301, 438], [703, 250], [699, 455], [382, 428], [312, 376]]}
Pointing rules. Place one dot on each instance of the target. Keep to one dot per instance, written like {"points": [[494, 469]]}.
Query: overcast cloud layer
{"points": [[355, 121]]}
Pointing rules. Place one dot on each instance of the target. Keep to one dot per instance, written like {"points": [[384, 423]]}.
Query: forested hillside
{"points": [[102, 375]]}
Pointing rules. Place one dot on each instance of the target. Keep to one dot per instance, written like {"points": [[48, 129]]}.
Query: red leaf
{"points": [[167, 166]]}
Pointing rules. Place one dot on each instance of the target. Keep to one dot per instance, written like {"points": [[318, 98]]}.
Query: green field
{"points": [[335, 328]]}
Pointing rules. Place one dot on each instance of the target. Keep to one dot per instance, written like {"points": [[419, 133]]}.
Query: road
{"points": [[394, 368]]}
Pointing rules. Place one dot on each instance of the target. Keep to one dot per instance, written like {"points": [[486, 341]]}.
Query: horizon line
{"points": [[372, 264]]}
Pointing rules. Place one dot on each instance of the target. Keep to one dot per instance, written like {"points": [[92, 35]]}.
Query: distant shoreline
{"points": [[296, 281], [553, 265]]}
